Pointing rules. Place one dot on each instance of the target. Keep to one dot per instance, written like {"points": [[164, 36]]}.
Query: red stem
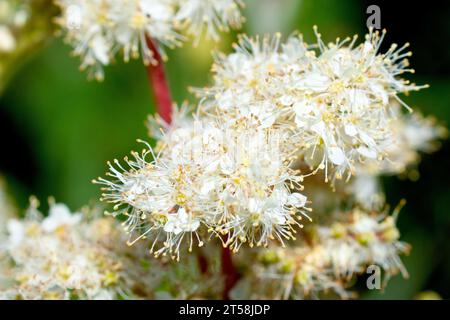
{"points": [[164, 105], [159, 84], [202, 263], [229, 272]]}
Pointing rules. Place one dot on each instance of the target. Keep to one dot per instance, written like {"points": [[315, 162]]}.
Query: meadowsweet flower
{"points": [[288, 273], [212, 15], [411, 134], [366, 191], [235, 170], [98, 29], [335, 98], [69, 256], [363, 240], [59, 216], [52, 260], [235, 183], [325, 264]]}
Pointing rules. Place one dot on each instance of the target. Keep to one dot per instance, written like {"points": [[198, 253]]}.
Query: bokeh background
{"points": [[57, 130]]}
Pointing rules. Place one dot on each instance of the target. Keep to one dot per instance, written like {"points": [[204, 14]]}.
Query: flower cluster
{"points": [[411, 133], [328, 261], [337, 99], [71, 256], [98, 29], [234, 183], [275, 115], [53, 262], [285, 128]]}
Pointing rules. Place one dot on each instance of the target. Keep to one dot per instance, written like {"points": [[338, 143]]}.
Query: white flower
{"points": [[362, 241], [342, 257], [364, 224], [90, 260], [50, 263], [233, 180], [366, 190], [60, 216], [181, 222], [328, 262], [16, 232], [74, 17], [297, 200], [212, 15], [98, 29], [410, 134], [336, 100]]}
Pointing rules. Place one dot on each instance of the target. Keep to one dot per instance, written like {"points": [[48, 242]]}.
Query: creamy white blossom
{"points": [[366, 191], [98, 29], [326, 263], [52, 259], [233, 182], [363, 240], [277, 116], [411, 134], [274, 108], [212, 15], [336, 99], [69, 256]]}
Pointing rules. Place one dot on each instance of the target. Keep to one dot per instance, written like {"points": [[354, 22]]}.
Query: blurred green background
{"points": [[58, 130]]}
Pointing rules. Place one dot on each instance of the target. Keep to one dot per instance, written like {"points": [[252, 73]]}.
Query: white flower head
{"points": [[98, 29], [327, 262], [212, 15], [60, 216], [181, 222], [234, 182], [16, 232], [369, 239], [51, 262], [335, 99]]}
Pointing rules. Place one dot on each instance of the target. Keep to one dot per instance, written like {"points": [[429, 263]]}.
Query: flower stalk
{"points": [[159, 84], [229, 273], [164, 106]]}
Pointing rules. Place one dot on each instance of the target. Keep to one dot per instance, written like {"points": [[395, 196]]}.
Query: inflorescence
{"points": [[98, 29], [276, 114]]}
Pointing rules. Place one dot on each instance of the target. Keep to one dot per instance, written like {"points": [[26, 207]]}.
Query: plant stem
{"points": [[229, 272], [164, 105], [159, 84]]}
